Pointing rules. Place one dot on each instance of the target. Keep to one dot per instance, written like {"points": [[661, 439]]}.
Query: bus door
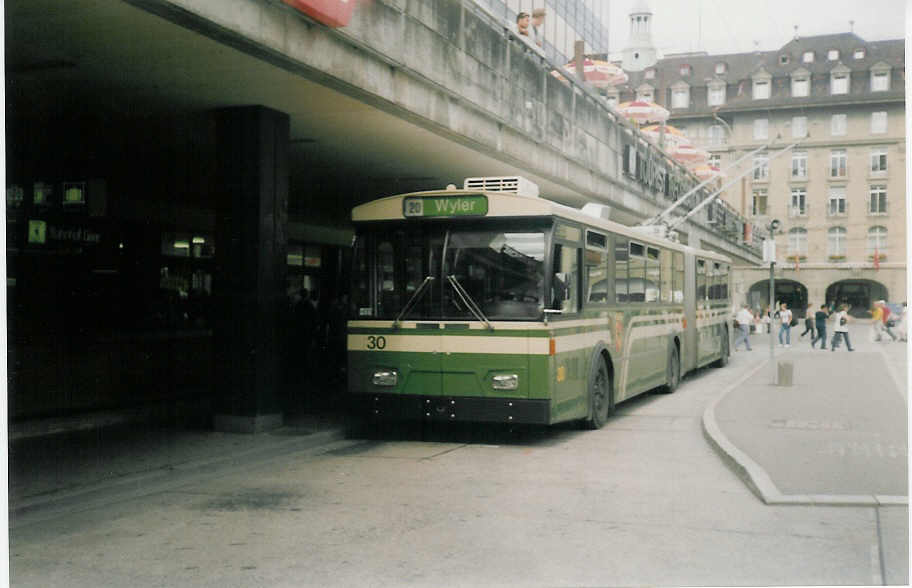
{"points": [[406, 290], [705, 346], [421, 268], [691, 336]]}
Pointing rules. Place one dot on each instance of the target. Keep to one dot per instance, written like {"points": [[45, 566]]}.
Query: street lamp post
{"points": [[770, 255]]}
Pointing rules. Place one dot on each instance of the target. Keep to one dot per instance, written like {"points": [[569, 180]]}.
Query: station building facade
{"points": [[839, 191]]}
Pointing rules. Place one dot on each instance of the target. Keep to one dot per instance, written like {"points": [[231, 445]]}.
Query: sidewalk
{"points": [[837, 436], [65, 460]]}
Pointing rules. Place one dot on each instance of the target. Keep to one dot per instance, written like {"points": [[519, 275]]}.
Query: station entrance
{"points": [[793, 293], [859, 295]]}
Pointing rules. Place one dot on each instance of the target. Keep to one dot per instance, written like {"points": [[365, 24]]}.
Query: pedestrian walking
{"points": [[903, 332], [808, 323], [785, 320], [744, 318], [820, 318], [876, 313], [841, 328], [766, 320], [888, 319]]}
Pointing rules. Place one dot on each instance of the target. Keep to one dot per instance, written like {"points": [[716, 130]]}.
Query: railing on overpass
{"points": [[719, 217]]}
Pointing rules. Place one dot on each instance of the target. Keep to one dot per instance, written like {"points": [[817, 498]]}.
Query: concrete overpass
{"points": [[410, 95]]}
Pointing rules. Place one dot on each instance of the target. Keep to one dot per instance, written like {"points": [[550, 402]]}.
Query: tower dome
{"points": [[640, 52]]}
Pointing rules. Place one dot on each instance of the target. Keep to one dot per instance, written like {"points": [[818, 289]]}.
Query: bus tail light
{"points": [[505, 382], [385, 378]]}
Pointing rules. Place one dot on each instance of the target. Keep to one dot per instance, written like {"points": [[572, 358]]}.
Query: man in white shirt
{"points": [[785, 317], [745, 318], [841, 328]]}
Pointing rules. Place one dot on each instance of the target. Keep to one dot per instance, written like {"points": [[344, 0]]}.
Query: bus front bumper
{"points": [[452, 408]]}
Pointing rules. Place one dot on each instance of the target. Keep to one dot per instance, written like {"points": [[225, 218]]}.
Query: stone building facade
{"points": [[820, 124]]}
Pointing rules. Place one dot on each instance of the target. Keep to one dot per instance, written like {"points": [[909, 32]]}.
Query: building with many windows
{"points": [[838, 103], [565, 22]]}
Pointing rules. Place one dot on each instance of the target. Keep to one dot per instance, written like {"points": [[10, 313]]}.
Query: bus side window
{"points": [[715, 292], [701, 279], [723, 289], [636, 281], [678, 285], [596, 276], [564, 290], [621, 261], [666, 275], [653, 275]]}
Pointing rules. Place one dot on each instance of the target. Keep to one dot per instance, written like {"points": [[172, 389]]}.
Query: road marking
{"points": [[809, 425], [865, 449], [891, 369], [876, 579]]}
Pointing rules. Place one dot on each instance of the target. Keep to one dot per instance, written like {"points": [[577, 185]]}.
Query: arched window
{"points": [[836, 241], [798, 241], [877, 240]]}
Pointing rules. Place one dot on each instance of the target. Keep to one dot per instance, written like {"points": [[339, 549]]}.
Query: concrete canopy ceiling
{"points": [[115, 60]]}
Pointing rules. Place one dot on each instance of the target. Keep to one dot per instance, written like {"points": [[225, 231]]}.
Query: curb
{"points": [[757, 478]]}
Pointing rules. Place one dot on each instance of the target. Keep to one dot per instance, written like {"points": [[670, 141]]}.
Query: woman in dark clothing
{"points": [[820, 318], [809, 324]]}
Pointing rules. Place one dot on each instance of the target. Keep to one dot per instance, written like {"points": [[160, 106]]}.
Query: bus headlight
{"points": [[385, 378], [505, 382]]}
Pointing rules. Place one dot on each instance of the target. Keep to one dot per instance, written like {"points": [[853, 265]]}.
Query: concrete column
{"points": [[250, 266]]}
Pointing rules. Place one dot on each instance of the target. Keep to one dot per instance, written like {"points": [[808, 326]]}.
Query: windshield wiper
{"points": [[413, 300], [467, 300]]}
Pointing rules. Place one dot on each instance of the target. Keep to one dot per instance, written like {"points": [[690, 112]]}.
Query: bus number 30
{"points": [[376, 342]]}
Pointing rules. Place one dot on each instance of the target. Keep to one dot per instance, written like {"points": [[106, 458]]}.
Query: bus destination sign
{"points": [[432, 206]]}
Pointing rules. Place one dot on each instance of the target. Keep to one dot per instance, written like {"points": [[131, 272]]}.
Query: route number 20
{"points": [[376, 342]]}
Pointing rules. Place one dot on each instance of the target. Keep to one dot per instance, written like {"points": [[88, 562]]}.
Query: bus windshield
{"points": [[417, 274]]}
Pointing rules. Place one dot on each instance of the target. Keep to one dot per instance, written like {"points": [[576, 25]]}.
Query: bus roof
{"points": [[507, 205]]}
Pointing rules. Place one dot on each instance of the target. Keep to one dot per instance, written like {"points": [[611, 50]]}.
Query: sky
{"points": [[732, 26]]}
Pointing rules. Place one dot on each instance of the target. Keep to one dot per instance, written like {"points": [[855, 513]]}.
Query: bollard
{"points": [[784, 373]]}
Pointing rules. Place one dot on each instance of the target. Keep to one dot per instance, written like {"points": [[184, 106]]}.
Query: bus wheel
{"points": [[672, 371], [724, 351], [601, 395]]}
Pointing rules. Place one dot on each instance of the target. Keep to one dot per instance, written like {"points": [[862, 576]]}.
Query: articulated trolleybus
{"points": [[492, 304]]}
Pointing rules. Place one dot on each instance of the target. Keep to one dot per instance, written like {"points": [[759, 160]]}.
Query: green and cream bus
{"points": [[483, 304]]}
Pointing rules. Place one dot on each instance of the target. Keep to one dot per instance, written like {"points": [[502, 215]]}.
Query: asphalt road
{"points": [[643, 501]]}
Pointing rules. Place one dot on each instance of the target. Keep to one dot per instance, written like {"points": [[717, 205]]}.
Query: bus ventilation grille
{"points": [[514, 184]]}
